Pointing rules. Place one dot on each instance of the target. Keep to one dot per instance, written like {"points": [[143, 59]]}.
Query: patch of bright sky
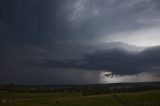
{"points": [[144, 37]]}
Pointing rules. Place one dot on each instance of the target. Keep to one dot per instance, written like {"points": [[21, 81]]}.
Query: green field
{"points": [[146, 98]]}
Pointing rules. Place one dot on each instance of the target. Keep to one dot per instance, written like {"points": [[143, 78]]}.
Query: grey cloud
{"points": [[42, 34], [115, 60], [118, 16]]}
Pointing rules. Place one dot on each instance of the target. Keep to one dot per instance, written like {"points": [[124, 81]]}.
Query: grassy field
{"points": [[146, 98]]}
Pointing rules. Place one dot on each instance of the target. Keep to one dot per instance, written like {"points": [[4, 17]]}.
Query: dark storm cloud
{"points": [[48, 22], [52, 37], [115, 60], [30, 21], [96, 20]]}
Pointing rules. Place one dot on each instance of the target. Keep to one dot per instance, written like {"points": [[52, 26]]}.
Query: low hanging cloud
{"points": [[141, 77], [116, 60]]}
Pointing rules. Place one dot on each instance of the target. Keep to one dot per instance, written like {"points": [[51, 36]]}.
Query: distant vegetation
{"points": [[85, 90]]}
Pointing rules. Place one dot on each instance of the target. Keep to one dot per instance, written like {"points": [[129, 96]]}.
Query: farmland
{"points": [[143, 98]]}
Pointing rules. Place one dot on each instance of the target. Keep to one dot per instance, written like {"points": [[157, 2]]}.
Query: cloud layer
{"points": [[55, 41], [116, 60]]}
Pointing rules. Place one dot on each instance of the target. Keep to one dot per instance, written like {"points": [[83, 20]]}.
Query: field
{"points": [[145, 98]]}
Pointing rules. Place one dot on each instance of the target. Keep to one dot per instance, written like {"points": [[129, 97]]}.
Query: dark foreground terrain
{"points": [[137, 94], [146, 98]]}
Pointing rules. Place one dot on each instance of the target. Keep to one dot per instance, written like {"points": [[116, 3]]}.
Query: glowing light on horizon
{"points": [[141, 77]]}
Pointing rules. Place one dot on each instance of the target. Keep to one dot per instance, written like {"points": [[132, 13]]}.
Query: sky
{"points": [[79, 41]]}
